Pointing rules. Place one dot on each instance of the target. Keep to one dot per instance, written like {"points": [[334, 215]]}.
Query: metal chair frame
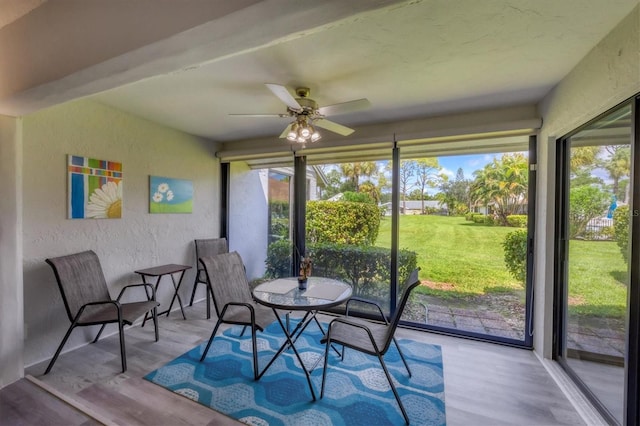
{"points": [[83, 269], [370, 338]]}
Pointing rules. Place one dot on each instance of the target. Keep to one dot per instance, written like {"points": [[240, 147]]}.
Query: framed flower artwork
{"points": [[169, 195], [94, 188]]}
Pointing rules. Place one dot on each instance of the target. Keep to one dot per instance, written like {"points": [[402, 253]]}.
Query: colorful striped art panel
{"points": [[95, 188]]}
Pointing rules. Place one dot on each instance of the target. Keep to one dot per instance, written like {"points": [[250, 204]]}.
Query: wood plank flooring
{"points": [[485, 384]]}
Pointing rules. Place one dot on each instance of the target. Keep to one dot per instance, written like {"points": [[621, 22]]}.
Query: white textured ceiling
{"points": [[10, 10], [410, 59]]}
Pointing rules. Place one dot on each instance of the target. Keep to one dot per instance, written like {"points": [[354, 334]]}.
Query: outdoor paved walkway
{"points": [[476, 320], [606, 336]]}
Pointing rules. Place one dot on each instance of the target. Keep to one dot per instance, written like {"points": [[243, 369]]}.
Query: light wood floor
{"points": [[485, 384]]}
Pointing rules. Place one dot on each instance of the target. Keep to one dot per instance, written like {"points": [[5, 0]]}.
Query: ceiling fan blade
{"points": [[332, 126], [345, 107], [262, 115], [286, 131], [284, 95]]}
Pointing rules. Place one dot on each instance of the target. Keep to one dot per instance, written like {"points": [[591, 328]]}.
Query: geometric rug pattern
{"points": [[357, 391]]}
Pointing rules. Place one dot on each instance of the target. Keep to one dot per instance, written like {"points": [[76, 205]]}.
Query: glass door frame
{"points": [[632, 356]]}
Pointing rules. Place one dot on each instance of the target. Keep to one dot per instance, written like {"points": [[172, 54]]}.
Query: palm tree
{"points": [[353, 171], [504, 183], [618, 165]]}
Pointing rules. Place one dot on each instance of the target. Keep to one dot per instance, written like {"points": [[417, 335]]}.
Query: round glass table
{"points": [[284, 294]]}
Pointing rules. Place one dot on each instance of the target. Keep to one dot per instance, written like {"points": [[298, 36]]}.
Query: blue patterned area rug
{"points": [[357, 392]]}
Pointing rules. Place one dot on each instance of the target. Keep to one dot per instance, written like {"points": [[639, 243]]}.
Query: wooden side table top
{"points": [[157, 271]]}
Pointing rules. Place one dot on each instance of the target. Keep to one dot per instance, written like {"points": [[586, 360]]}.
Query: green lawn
{"points": [[462, 258]]}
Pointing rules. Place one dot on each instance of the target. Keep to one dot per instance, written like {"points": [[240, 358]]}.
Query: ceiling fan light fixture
{"points": [[302, 131]]}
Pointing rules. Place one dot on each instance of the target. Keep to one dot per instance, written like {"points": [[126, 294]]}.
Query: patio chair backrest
{"points": [[411, 282], [211, 247], [228, 279], [80, 279]]}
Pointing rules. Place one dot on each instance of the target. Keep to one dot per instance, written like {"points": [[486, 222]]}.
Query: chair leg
{"points": [[123, 356], [209, 298], [393, 388], [195, 285], [154, 314], [99, 333], [254, 342], [324, 369], [64, 340], [402, 356], [215, 329]]}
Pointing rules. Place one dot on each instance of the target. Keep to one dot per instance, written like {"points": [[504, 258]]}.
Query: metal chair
{"points": [[206, 247], [232, 299], [87, 302], [372, 338]]}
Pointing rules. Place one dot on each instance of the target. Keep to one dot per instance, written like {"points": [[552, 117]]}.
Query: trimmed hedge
{"points": [[366, 268], [517, 220], [515, 254], [342, 222], [479, 218]]}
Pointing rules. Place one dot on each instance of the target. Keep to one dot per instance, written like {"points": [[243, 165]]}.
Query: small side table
{"points": [[159, 272]]}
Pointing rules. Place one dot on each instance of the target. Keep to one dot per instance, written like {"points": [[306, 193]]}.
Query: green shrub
{"points": [[517, 220], [469, 216], [479, 218], [357, 197], [515, 254], [279, 208], [366, 268], [621, 220], [342, 222], [490, 220], [585, 203], [280, 227], [278, 260]]}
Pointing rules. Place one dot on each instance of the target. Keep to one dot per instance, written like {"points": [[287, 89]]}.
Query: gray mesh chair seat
{"points": [[206, 247], [98, 314], [87, 302], [369, 337], [232, 299]]}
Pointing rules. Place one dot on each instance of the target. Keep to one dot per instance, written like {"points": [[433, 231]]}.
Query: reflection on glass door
{"points": [[595, 275], [466, 217]]}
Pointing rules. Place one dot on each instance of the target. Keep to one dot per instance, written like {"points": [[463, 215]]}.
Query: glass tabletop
{"points": [[283, 293]]}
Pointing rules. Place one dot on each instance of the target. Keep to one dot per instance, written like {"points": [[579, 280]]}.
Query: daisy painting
{"points": [[95, 188], [169, 195]]}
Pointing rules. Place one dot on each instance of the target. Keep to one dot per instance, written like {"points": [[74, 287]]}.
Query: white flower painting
{"points": [[170, 195]]}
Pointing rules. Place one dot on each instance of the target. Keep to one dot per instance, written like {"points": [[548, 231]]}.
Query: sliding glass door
{"points": [[596, 205]]}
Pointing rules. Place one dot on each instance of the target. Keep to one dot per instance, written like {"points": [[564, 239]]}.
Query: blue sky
{"points": [[469, 164]]}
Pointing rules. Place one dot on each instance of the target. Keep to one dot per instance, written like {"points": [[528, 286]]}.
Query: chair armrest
{"points": [[366, 301], [145, 285], [105, 302], [246, 305]]}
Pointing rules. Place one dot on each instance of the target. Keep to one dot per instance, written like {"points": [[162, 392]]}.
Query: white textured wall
{"points": [[11, 296], [608, 75], [137, 240], [248, 223]]}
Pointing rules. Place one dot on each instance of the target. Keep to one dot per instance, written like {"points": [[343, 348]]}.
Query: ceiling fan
{"points": [[307, 114]]}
